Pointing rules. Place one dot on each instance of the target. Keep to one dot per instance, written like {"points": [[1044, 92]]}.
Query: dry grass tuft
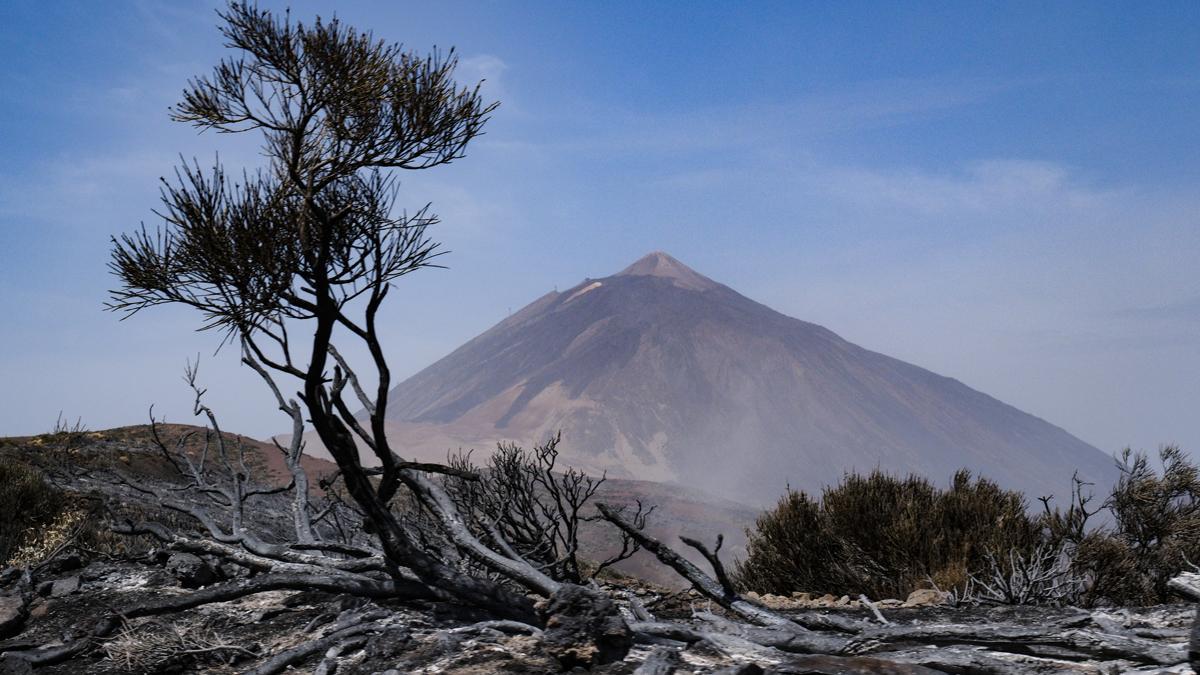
{"points": [[155, 645], [44, 543], [31, 506]]}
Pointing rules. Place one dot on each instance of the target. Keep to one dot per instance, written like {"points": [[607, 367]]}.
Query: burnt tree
{"points": [[310, 246]]}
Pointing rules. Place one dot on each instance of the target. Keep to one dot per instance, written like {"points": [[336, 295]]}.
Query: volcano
{"points": [[660, 373]]}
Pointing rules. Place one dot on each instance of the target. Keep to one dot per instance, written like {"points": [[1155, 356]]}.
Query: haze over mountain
{"points": [[661, 373]]}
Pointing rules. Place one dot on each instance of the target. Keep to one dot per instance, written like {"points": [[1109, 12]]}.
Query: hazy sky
{"points": [[1008, 194]]}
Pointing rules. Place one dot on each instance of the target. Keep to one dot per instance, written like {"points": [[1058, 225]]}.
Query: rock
{"points": [[63, 563], [925, 597], [826, 600], [190, 570], [389, 645], [843, 601], [44, 588], [584, 628], [741, 669], [890, 602], [11, 664], [65, 586], [93, 573], [821, 664], [802, 597], [13, 611], [776, 602], [662, 661], [752, 596]]}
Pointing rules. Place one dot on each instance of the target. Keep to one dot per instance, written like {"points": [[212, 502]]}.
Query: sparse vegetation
{"points": [[31, 506]]}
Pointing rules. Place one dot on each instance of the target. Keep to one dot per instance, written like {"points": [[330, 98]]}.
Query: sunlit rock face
{"points": [[661, 373]]}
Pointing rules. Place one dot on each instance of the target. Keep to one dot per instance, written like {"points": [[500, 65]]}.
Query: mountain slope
{"points": [[660, 373]]}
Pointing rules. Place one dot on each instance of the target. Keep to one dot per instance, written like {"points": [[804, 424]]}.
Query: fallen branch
{"points": [[223, 593], [706, 585], [336, 639], [866, 602]]}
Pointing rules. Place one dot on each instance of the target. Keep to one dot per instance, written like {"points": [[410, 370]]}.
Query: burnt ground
{"points": [[424, 637], [99, 576]]}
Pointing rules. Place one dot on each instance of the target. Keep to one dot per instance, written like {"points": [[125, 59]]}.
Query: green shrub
{"points": [[1154, 535], [884, 536]]}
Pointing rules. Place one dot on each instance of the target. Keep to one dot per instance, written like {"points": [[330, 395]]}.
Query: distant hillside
{"points": [[678, 510], [660, 373]]}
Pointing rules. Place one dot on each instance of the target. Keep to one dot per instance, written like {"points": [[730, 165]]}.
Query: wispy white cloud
{"points": [[488, 69], [602, 127], [981, 187]]}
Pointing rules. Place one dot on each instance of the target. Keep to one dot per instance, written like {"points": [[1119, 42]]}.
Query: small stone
{"points": [[190, 570], [801, 597], [63, 563], [751, 595], [65, 586], [925, 597], [389, 645], [12, 613], [842, 601], [741, 669]]}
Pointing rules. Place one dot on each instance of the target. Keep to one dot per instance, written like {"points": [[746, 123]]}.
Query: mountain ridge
{"points": [[658, 372]]}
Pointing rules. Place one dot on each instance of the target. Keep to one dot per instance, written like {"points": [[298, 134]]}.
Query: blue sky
{"points": [[1004, 193]]}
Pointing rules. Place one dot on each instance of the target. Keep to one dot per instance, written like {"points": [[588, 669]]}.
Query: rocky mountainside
{"points": [[661, 373]]}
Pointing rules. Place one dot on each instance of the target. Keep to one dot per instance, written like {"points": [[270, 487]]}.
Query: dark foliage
{"points": [[884, 536], [1154, 535]]}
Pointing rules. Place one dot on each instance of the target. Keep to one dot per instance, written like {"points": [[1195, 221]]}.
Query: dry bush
{"points": [[884, 536], [43, 543], [30, 504], [1043, 576], [67, 433]]}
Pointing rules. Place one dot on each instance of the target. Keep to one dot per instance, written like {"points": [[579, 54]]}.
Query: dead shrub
{"points": [[525, 501]]}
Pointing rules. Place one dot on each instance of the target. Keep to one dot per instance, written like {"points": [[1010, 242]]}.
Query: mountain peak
{"points": [[660, 264]]}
